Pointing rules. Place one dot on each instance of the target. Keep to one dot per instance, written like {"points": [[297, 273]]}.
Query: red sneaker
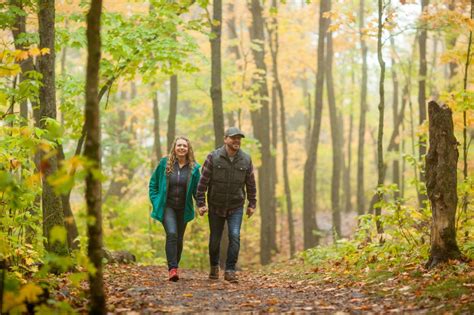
{"points": [[173, 275]]}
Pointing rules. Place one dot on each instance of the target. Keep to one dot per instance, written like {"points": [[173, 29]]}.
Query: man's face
{"points": [[233, 142]]}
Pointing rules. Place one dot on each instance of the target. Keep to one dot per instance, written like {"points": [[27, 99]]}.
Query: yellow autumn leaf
{"points": [[334, 27], [29, 261], [21, 55], [13, 304], [34, 180], [45, 51], [34, 52], [9, 70], [29, 293]]}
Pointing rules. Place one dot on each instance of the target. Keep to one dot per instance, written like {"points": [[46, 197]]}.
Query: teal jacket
{"points": [[158, 188]]}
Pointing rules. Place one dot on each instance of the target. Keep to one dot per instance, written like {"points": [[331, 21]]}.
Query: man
{"points": [[227, 176]]}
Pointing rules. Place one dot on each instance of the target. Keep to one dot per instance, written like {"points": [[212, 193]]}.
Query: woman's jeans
{"points": [[173, 222], [216, 225]]}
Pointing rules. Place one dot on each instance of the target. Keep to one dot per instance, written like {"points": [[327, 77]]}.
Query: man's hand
{"points": [[202, 210], [250, 212]]}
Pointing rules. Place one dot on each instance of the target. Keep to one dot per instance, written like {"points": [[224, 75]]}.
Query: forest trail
{"points": [[134, 289]]}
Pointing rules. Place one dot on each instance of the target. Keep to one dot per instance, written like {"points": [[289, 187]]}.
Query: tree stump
{"points": [[441, 184]]}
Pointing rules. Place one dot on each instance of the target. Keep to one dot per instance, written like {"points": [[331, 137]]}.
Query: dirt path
{"points": [[145, 290]]}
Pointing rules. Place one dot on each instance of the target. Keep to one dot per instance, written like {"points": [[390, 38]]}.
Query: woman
{"points": [[172, 187]]}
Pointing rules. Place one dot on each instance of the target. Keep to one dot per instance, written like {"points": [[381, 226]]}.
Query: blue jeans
{"points": [[216, 225], [173, 222]]}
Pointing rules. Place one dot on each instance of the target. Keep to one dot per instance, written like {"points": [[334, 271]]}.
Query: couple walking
{"points": [[227, 177]]}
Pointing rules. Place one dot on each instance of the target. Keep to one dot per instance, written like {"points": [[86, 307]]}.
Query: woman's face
{"points": [[181, 148]]}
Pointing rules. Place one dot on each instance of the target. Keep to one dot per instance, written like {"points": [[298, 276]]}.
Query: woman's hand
{"points": [[202, 210]]}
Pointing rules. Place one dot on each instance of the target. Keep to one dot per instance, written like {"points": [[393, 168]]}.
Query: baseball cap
{"points": [[234, 131]]}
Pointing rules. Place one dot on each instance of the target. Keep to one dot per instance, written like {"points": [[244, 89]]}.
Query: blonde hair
{"points": [[172, 155]]}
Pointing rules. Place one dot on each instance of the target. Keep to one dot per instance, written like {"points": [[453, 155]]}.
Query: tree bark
{"points": [[441, 184], [465, 197], [274, 48], [396, 124], [156, 131], [422, 100], [348, 168], [19, 27], [173, 110], [310, 226], [362, 118], [336, 138], [216, 70], [51, 202], [26, 65], [450, 43], [261, 126], [92, 153], [380, 163]]}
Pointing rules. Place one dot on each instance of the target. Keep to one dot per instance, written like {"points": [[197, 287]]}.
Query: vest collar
{"points": [[223, 153]]}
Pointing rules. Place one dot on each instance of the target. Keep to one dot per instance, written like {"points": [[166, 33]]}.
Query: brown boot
{"points": [[231, 276], [214, 274]]}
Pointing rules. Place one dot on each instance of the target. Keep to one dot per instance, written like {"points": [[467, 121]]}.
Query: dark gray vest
{"points": [[227, 184]]}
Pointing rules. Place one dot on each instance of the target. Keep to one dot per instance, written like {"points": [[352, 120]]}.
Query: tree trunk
{"points": [[310, 226], [335, 137], [216, 96], [26, 65], [173, 110], [380, 164], [19, 27], [261, 125], [450, 44], [465, 197], [69, 220], [51, 202], [363, 110], [422, 100], [233, 50], [274, 48], [396, 124], [216, 70], [348, 168], [441, 184], [92, 153], [156, 131]]}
